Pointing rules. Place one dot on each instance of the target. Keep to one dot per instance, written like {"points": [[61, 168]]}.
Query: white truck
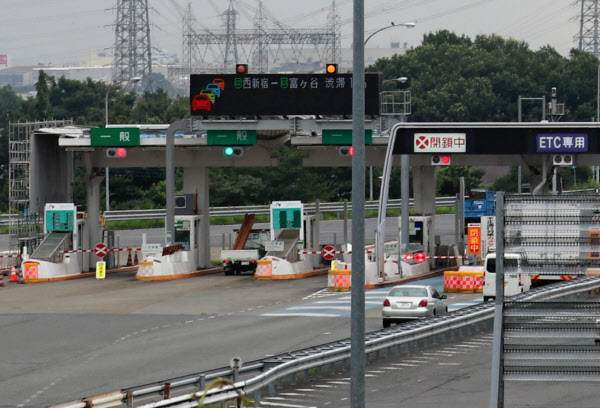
{"points": [[237, 261], [245, 260], [514, 281]]}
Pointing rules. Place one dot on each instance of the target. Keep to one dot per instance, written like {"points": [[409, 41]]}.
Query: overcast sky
{"points": [[69, 31]]}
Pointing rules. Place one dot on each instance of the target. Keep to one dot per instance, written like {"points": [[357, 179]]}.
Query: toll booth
{"points": [[55, 256], [287, 229], [187, 234], [420, 237]]}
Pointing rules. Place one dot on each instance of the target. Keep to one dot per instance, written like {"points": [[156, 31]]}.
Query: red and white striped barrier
{"points": [[109, 249], [370, 252]]}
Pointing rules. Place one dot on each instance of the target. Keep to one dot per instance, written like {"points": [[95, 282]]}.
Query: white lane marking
{"points": [[285, 405], [318, 308], [466, 346], [323, 386], [449, 364], [301, 314], [370, 375], [375, 372], [339, 382], [392, 368], [404, 365]]}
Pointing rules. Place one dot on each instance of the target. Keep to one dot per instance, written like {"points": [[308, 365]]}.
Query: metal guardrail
{"points": [[273, 370], [155, 214]]}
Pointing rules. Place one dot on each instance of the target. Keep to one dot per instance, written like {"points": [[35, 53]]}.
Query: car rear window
{"points": [[409, 292]]}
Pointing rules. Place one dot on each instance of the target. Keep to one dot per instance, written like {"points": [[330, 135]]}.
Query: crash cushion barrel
{"points": [[30, 270], [463, 281], [339, 280], [451, 281], [264, 269]]}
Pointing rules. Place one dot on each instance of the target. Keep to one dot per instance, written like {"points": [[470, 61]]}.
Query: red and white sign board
{"points": [[328, 252], [440, 143], [101, 250], [4, 60]]}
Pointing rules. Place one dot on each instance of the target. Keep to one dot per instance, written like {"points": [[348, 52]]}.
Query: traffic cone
{"points": [[13, 274], [129, 263], [135, 259]]}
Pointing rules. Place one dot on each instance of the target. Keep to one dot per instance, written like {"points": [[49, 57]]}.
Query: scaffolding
{"points": [[25, 229]]}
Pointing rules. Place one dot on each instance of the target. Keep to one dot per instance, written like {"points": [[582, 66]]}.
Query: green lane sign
{"points": [[115, 136], [343, 136], [231, 137]]}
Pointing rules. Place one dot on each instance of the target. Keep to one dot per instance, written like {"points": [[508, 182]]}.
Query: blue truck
{"points": [[480, 203]]}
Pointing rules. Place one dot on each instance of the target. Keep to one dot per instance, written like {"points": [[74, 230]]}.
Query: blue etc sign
{"points": [[562, 143]]}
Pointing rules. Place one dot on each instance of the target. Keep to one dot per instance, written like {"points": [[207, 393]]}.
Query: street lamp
{"points": [[129, 81], [411, 24], [133, 80]]}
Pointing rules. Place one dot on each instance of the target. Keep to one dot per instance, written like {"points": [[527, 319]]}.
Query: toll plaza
{"points": [[211, 139]]}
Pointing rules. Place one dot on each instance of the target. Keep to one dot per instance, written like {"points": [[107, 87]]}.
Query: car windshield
{"points": [[408, 292]]}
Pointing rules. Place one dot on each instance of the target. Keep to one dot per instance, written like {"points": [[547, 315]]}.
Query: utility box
{"points": [[185, 204]]}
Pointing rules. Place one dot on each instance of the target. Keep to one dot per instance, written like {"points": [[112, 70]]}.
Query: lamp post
{"points": [[411, 24], [130, 81], [357, 299]]}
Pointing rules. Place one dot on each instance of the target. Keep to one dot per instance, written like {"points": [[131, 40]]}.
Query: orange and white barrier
{"points": [[463, 281], [264, 269], [339, 280], [451, 281]]}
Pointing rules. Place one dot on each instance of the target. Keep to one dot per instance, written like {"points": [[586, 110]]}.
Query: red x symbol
{"points": [[422, 142]]}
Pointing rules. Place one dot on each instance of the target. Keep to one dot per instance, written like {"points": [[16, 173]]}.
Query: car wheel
{"points": [[446, 311], [228, 272], [434, 312], [386, 324]]}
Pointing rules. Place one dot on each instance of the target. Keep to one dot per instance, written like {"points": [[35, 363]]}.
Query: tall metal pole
{"points": [[107, 192], [182, 124], [497, 380], [357, 324]]}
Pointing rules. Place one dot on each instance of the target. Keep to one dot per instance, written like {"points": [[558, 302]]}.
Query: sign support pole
{"points": [[357, 310], [170, 170]]}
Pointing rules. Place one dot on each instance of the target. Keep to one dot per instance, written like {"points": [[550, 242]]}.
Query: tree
{"points": [[42, 99]]}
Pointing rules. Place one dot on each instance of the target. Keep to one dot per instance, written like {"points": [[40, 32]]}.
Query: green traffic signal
{"points": [[233, 151]]}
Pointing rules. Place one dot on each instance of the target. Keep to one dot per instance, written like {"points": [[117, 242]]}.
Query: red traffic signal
{"points": [[331, 68], [346, 151], [116, 152], [241, 69], [440, 160]]}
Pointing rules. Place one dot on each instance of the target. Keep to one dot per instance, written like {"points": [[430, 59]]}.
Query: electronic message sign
{"points": [[280, 94]]}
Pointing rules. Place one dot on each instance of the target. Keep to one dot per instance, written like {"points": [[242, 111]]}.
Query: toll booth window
{"points": [[183, 238], [416, 236]]}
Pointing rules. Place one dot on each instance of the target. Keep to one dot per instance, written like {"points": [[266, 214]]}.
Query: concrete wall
{"points": [[51, 172]]}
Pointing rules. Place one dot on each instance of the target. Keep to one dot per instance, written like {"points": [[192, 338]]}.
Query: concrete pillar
{"points": [[92, 229], [424, 188], [195, 181]]}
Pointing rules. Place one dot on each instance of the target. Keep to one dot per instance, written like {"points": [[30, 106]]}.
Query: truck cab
{"points": [[514, 283]]}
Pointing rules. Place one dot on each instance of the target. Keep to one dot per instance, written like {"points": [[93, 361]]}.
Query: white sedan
{"points": [[407, 302]]}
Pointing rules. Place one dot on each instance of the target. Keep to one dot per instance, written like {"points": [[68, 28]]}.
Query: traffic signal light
{"points": [[346, 151], [443, 160], [241, 69], [116, 152], [233, 151], [562, 160], [331, 68]]}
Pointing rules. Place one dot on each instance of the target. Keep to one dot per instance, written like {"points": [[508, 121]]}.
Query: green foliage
{"points": [[448, 179]]}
